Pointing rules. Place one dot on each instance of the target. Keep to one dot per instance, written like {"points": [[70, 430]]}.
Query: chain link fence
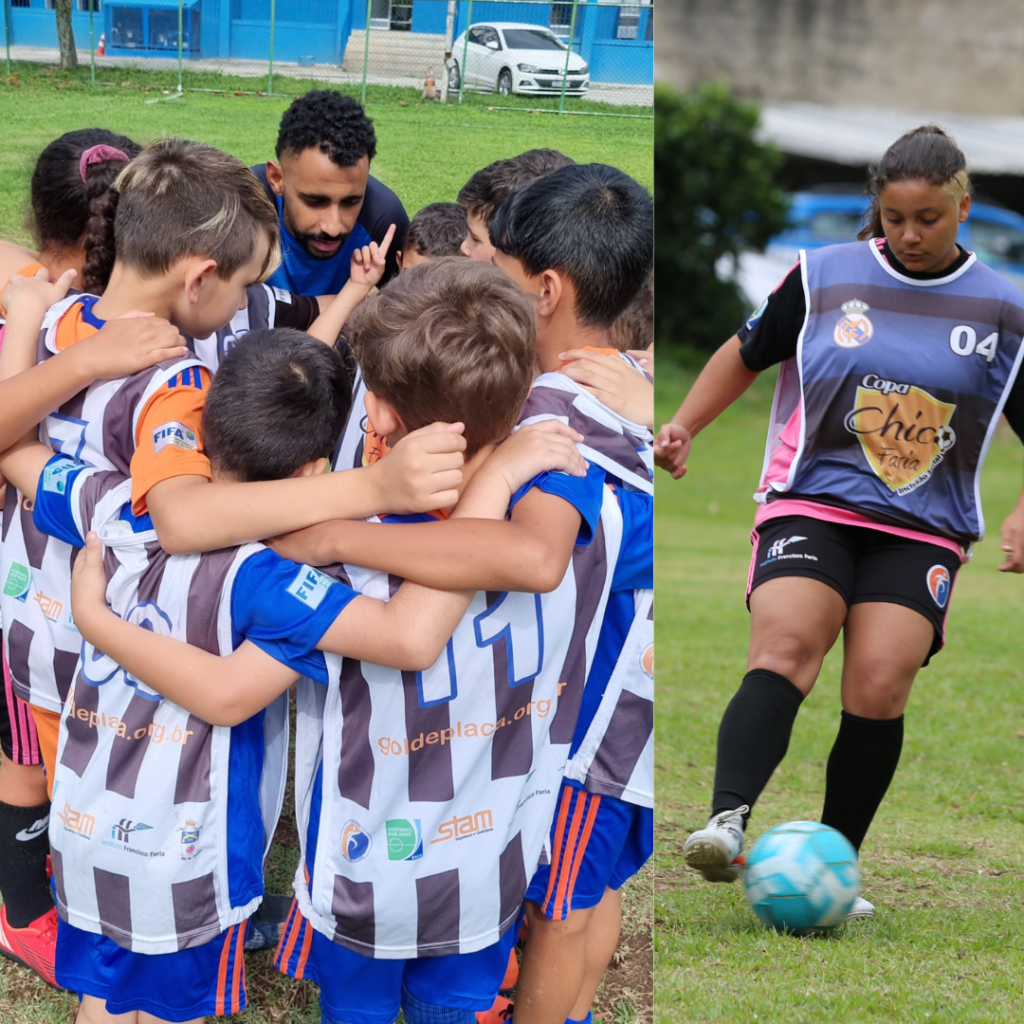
{"points": [[582, 57]]}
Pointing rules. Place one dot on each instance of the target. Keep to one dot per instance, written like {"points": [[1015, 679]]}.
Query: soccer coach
{"points": [[326, 199]]}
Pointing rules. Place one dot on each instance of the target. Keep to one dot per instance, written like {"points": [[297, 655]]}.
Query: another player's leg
{"points": [[794, 621], [602, 941], [27, 917], [94, 1011], [877, 677]]}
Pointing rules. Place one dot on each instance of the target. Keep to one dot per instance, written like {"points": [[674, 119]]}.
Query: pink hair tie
{"points": [[97, 154]]}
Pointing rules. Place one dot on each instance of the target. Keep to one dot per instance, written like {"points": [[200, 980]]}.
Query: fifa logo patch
{"points": [[854, 329], [938, 584], [174, 435], [405, 839], [19, 581], [310, 586], [355, 843]]}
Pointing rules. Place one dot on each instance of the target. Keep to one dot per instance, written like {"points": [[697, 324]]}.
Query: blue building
{"points": [[617, 42]]}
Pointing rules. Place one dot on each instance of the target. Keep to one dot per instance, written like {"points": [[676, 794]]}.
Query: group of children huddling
{"points": [[472, 653]]}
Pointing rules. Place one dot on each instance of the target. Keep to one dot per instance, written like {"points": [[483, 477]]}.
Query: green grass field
{"points": [[425, 153], [944, 861]]}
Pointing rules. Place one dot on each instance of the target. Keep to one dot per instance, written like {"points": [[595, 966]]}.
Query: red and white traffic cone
{"points": [[101, 50]]}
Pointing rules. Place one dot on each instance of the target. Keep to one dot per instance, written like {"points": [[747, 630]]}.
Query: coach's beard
{"points": [[316, 243]]}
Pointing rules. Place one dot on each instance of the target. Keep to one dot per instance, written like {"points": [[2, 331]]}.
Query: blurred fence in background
{"points": [[587, 56]]}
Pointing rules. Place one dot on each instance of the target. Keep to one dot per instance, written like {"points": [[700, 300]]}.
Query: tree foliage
{"points": [[715, 195]]}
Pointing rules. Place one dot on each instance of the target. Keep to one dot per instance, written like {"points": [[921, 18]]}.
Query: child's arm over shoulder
{"points": [[614, 382], [551, 513], [286, 611], [191, 514], [30, 392]]}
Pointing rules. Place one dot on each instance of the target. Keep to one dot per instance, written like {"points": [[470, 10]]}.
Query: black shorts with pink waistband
{"points": [[861, 564]]}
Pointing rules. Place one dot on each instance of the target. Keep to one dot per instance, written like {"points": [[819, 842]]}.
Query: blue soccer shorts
{"points": [[208, 980], [356, 989], [597, 843]]}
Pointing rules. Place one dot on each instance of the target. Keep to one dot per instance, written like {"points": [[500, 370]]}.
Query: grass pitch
{"points": [[425, 153], [943, 862]]}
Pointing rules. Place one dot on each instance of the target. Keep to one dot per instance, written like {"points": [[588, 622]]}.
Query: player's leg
{"points": [[602, 941], [27, 916], [800, 580], [94, 1011]]}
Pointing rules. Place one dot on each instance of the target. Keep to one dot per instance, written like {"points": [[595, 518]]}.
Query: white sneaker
{"points": [[861, 910], [713, 849]]}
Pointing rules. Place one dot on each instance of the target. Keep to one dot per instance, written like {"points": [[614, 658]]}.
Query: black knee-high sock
{"points": [[24, 844], [753, 737], [860, 768]]}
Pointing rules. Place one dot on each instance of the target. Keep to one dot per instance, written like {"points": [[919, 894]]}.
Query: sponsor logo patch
{"points": [[75, 821], [355, 843], [939, 584], [123, 830], [405, 839], [854, 329], [903, 430], [647, 661], [174, 435], [463, 828], [18, 583], [55, 476], [282, 295], [310, 586]]}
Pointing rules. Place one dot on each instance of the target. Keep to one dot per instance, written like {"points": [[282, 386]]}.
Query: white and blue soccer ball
{"points": [[802, 877]]}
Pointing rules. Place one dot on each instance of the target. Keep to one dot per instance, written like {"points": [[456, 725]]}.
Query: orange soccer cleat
{"points": [[35, 945]]}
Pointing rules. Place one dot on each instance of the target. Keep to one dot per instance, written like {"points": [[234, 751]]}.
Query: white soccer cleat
{"points": [[713, 849], [861, 910]]}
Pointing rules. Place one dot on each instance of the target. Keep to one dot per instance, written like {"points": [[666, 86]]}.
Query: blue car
{"points": [[826, 217]]}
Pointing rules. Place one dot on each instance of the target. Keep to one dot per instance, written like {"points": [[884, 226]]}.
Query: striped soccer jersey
{"points": [[260, 312], [613, 751], [98, 427], [424, 799], [161, 821]]}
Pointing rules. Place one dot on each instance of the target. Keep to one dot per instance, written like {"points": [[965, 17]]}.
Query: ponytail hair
{"points": [[924, 154], [99, 242]]}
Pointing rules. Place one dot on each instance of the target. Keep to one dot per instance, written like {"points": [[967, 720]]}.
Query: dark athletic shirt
{"points": [[299, 313], [771, 337], [381, 209]]}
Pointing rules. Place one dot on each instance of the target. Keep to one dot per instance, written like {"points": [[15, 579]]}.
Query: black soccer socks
{"points": [[24, 845], [753, 737], [860, 768]]}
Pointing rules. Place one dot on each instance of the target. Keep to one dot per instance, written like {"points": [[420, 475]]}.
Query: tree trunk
{"points": [[68, 54]]}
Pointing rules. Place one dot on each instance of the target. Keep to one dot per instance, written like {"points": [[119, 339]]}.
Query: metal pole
{"points": [[92, 43], [449, 31], [465, 47], [568, 54], [366, 47], [180, 43], [270, 70], [7, 35]]}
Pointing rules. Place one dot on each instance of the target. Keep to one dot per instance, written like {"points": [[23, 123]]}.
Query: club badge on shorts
{"points": [[854, 329], [938, 584]]}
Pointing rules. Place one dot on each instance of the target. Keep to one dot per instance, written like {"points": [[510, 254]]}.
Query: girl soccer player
{"points": [[899, 352]]}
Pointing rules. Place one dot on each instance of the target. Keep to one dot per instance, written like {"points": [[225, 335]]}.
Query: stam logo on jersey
{"points": [[939, 584], [405, 838], [355, 843], [903, 431]]}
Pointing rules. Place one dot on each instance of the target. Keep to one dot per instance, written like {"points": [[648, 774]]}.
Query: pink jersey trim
{"points": [[23, 727], [829, 514], [755, 540]]}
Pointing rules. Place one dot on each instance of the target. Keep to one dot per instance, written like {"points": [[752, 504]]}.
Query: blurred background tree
{"points": [[716, 194]]}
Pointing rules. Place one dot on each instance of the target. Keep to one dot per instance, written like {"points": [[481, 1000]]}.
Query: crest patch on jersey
{"points": [[174, 434], [310, 586], [938, 584], [903, 430], [55, 476], [355, 843], [854, 329], [647, 661]]}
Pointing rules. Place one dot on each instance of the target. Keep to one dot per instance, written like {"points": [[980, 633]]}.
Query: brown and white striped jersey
{"points": [[429, 795]]}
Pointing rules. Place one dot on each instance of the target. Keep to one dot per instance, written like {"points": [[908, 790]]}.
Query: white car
{"points": [[508, 57]]}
